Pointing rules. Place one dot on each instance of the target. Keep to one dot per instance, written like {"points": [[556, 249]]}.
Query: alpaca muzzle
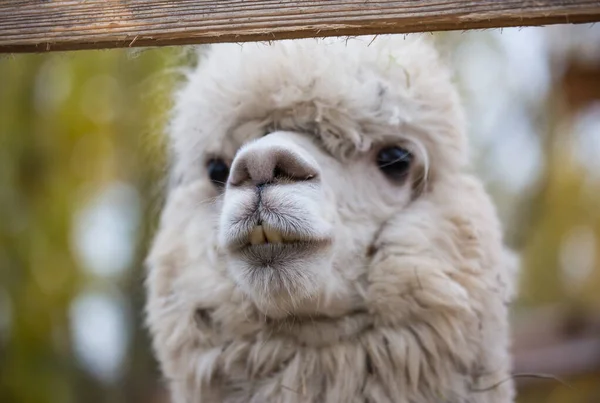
{"points": [[272, 226], [272, 202]]}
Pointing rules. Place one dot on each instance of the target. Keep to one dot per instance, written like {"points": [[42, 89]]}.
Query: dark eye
{"points": [[218, 171], [394, 162]]}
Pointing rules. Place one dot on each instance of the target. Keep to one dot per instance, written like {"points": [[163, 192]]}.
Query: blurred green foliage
{"points": [[69, 124]]}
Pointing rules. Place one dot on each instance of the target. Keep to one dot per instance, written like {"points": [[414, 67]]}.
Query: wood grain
{"points": [[46, 25]]}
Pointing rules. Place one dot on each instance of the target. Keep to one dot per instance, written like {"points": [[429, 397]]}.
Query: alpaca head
{"points": [[294, 156], [321, 232]]}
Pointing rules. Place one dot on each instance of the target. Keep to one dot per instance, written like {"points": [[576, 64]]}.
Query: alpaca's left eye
{"points": [[394, 162], [218, 171]]}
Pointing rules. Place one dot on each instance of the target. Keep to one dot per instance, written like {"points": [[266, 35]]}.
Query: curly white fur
{"points": [[407, 302]]}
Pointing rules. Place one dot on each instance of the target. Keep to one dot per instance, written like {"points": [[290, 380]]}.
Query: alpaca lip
{"points": [[258, 233], [275, 254], [264, 244]]}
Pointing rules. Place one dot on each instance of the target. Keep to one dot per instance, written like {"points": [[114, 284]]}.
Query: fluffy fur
{"points": [[407, 302]]}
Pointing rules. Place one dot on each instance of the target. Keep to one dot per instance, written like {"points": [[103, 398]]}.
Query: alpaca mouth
{"points": [[267, 246], [271, 234], [272, 237], [275, 254]]}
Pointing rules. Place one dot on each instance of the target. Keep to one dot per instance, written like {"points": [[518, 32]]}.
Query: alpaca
{"points": [[322, 238]]}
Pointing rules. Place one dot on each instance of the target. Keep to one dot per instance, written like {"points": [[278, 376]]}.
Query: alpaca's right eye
{"points": [[218, 171], [394, 162]]}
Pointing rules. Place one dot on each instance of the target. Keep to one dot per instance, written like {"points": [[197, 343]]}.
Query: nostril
{"points": [[278, 173], [291, 172]]}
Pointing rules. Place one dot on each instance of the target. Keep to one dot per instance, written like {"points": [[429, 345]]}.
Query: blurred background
{"points": [[82, 174]]}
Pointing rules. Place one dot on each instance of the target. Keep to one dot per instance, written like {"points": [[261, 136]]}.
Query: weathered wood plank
{"points": [[43, 25]]}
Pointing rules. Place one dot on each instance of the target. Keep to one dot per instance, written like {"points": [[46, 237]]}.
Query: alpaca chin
{"points": [[290, 288]]}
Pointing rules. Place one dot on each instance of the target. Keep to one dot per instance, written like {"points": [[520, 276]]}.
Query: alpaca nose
{"points": [[271, 159]]}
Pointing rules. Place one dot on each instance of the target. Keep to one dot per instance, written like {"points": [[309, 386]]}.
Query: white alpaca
{"points": [[322, 241]]}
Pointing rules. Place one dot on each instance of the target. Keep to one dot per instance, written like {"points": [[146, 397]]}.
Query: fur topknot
{"points": [[409, 301], [353, 93]]}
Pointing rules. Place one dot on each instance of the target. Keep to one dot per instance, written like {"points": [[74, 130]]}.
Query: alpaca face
{"points": [[294, 156], [296, 222]]}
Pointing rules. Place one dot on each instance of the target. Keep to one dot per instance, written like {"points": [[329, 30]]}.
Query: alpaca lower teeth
{"points": [[273, 236], [257, 236], [261, 234]]}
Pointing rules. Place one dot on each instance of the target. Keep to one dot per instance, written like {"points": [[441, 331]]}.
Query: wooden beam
{"points": [[46, 25]]}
